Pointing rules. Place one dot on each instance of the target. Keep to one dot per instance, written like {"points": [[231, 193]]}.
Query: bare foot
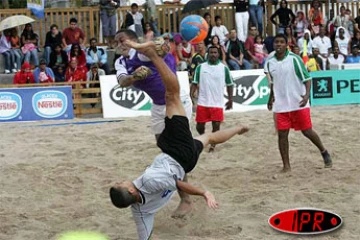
{"points": [[184, 208], [243, 130], [286, 169]]}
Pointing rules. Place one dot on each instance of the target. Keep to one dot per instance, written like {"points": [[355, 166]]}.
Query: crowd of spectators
{"points": [[320, 42]]}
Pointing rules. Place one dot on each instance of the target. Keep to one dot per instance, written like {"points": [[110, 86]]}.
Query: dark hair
{"points": [[92, 39], [130, 33], [121, 198], [134, 5], [285, 2], [217, 17], [281, 35], [212, 46], [258, 36], [53, 26], [206, 14], [72, 50], [73, 20], [212, 38], [151, 27]]}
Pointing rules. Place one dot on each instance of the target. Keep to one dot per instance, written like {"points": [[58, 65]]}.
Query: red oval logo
{"points": [[306, 221]]}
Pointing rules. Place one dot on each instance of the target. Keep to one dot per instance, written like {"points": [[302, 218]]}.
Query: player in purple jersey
{"points": [[180, 152], [135, 69]]}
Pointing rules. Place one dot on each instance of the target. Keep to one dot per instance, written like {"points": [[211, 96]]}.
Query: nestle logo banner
{"points": [[31, 104]]}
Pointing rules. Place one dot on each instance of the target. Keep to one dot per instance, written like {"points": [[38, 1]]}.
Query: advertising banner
{"points": [[335, 87], [251, 92], [31, 104]]}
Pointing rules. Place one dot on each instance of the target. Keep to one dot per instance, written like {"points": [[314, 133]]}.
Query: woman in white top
{"points": [[307, 37], [341, 41]]}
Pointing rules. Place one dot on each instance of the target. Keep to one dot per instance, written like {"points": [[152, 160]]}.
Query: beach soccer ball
{"points": [[82, 235], [194, 28]]}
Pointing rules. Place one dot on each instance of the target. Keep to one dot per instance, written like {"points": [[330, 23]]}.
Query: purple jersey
{"points": [[153, 84]]}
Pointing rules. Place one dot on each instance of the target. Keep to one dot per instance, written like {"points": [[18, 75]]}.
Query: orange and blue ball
{"points": [[194, 28]]}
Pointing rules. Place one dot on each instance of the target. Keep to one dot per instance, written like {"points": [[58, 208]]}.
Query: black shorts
{"points": [[176, 140]]}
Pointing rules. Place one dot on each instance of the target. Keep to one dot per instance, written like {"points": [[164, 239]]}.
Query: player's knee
{"points": [[307, 132], [172, 98]]}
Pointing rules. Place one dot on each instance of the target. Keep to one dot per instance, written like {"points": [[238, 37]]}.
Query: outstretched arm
{"points": [[192, 190]]}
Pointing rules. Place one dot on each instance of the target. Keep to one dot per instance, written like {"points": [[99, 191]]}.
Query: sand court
{"points": [[56, 178]]}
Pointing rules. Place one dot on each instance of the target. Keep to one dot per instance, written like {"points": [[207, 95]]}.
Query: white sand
{"points": [[54, 179]]}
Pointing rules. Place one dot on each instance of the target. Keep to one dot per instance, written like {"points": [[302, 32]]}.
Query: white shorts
{"points": [[158, 114]]}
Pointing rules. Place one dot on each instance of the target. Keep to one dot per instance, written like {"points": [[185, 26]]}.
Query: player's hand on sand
{"points": [[304, 100], [141, 73], [210, 200]]}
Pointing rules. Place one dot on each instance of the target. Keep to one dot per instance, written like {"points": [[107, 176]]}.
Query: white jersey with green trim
{"points": [[212, 78], [288, 76]]}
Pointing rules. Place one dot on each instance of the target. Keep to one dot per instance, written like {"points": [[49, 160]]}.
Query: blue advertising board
{"points": [[32, 104], [335, 87]]}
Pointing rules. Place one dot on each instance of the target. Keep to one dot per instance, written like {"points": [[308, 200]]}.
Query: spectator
{"points": [[215, 41], [25, 76], [290, 37], [79, 54], [185, 51], [74, 73], [29, 42], [207, 18], [323, 43], [15, 48], [220, 30], [296, 50], [334, 58], [342, 42], [241, 18], [330, 27], [315, 18], [351, 23], [314, 63], [269, 43], [357, 23], [342, 20], [236, 52], [356, 39], [94, 75], [43, 74], [152, 16], [305, 44], [135, 20], [73, 35], [250, 48], [256, 14], [169, 40], [53, 38], [98, 55], [259, 48], [5, 50], [149, 32], [301, 24], [285, 15], [355, 57], [58, 58], [108, 17], [59, 74], [210, 79], [199, 57]]}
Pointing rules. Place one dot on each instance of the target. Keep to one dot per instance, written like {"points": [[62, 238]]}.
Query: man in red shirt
{"points": [[25, 75], [72, 35], [74, 73], [249, 46]]}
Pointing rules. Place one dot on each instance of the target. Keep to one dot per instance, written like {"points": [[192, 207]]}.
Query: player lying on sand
{"points": [[180, 151]]}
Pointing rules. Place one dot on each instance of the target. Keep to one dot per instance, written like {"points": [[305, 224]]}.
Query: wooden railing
{"points": [[81, 101], [169, 16]]}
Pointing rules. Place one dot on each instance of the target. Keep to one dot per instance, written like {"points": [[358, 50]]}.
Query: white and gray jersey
{"points": [[157, 185]]}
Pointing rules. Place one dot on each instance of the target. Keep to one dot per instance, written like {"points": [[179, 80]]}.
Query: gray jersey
{"points": [[157, 185]]}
